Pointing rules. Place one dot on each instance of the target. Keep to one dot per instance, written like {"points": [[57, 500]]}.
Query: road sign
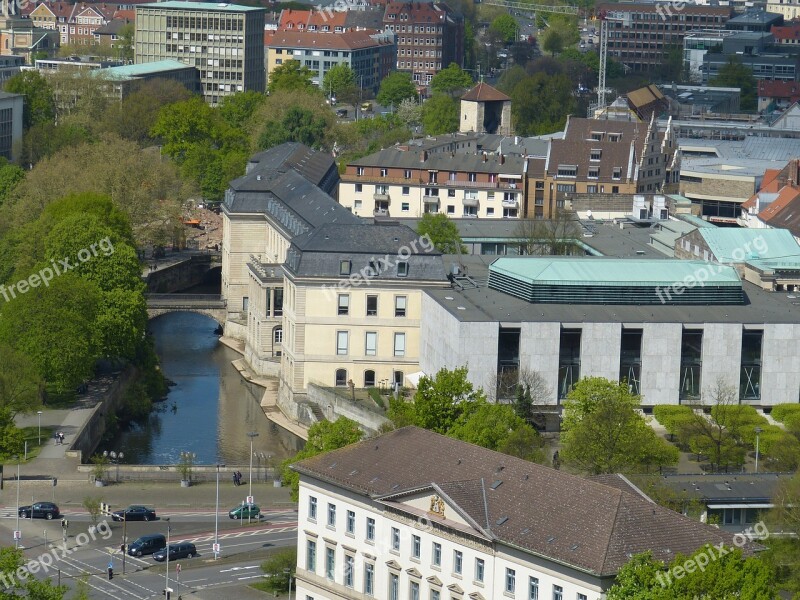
{"points": [[215, 548], [17, 535], [249, 500]]}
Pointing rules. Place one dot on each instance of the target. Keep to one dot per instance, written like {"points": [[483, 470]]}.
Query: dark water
{"points": [[211, 408]]}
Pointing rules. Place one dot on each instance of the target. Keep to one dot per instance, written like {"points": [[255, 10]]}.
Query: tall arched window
{"points": [[341, 377], [369, 379]]}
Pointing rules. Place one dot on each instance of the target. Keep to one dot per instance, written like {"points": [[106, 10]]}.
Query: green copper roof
{"points": [[139, 70], [206, 6], [730, 244]]}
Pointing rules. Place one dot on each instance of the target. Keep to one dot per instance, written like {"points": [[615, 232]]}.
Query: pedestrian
{"points": [[235, 479], [61, 436], [55, 437], [239, 477]]}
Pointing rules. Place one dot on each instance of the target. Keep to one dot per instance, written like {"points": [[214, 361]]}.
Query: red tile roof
{"points": [[349, 40], [787, 195], [483, 92], [299, 20], [788, 31], [779, 89]]}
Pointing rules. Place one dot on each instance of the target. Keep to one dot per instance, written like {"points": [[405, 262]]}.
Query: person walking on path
{"points": [[238, 478], [235, 479]]}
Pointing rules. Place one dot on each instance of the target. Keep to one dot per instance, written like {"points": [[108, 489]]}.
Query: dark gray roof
{"points": [[364, 19], [319, 253], [318, 167], [574, 521], [398, 157], [727, 488]]}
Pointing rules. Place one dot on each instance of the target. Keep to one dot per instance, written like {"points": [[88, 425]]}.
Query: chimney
{"points": [[502, 159], [423, 156], [793, 173], [485, 158]]}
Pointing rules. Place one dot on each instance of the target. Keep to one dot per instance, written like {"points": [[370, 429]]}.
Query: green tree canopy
{"points": [[19, 382], [290, 76], [603, 433], [440, 114], [452, 80], [39, 107], [12, 559], [441, 400], [553, 41], [735, 74], [506, 27], [489, 426], [338, 79], [183, 125], [442, 232], [297, 125], [540, 103], [237, 110], [395, 88]]}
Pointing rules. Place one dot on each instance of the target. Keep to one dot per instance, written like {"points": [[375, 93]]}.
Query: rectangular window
{"points": [[330, 563], [370, 529], [395, 538], [458, 561], [436, 559], [558, 592], [479, 568], [402, 268], [595, 154], [407, 174], [511, 580], [406, 190], [581, 596], [399, 344], [691, 364], [569, 360], [371, 343], [416, 546], [399, 306], [435, 595], [369, 579], [312, 508], [594, 172], [394, 587], [413, 591], [750, 375], [341, 342], [359, 188], [372, 306], [344, 267], [349, 567], [616, 173], [331, 515], [567, 171], [311, 555], [344, 305], [351, 522], [533, 585]]}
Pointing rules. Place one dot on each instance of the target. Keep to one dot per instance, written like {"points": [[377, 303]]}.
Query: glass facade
{"points": [[569, 360], [691, 365]]}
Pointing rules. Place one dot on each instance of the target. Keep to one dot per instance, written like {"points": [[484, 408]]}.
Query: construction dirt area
{"points": [[203, 228]]}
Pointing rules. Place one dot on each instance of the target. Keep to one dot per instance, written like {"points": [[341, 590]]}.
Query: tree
{"points": [[735, 74], [279, 570], [11, 561], [19, 382], [452, 80], [442, 232], [553, 41], [724, 577], [541, 103], [784, 548], [603, 433], [441, 400], [489, 426], [440, 114], [126, 41], [323, 436], [554, 237], [524, 443], [506, 27], [409, 112], [395, 88], [183, 125], [39, 106], [10, 176], [339, 78], [297, 125], [291, 76], [237, 110], [276, 109]]}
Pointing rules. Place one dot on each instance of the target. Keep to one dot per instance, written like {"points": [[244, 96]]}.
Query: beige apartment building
{"points": [[402, 181]]}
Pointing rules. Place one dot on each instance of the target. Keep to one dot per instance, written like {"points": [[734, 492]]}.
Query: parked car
{"points": [[40, 510], [147, 544], [134, 513], [244, 511], [176, 551]]}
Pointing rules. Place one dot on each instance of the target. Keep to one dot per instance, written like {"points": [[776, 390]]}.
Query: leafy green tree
{"points": [[601, 431], [726, 577], [39, 107], [19, 382], [11, 559], [783, 521], [297, 125], [339, 78], [183, 125], [524, 443], [540, 104], [323, 436], [523, 404], [488, 425], [440, 114], [440, 401], [401, 413], [290, 76], [735, 74], [10, 176], [442, 232], [237, 110], [126, 35], [553, 41], [395, 88], [279, 571], [506, 27], [452, 80], [409, 112]]}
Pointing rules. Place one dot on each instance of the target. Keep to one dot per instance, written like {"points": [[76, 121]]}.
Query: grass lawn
{"points": [[31, 435]]}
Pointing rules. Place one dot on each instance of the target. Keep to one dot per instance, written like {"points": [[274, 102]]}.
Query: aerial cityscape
{"points": [[438, 300]]}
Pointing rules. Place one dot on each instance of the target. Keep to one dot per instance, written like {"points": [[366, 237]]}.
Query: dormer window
{"points": [[595, 155], [402, 269], [597, 136], [614, 137], [344, 267], [360, 171], [617, 173], [567, 171]]}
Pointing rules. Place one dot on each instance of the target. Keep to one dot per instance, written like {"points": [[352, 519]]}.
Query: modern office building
{"points": [[11, 106], [416, 515], [225, 42], [125, 79]]}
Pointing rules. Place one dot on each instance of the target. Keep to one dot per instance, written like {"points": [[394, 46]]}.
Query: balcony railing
{"points": [[490, 185], [377, 179], [510, 204], [380, 212], [430, 199], [381, 197]]}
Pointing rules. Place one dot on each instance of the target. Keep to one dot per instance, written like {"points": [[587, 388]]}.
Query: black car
{"points": [[176, 551], [147, 544], [134, 513], [40, 510]]}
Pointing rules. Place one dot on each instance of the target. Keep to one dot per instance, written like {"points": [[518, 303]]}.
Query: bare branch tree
{"points": [[554, 237]]}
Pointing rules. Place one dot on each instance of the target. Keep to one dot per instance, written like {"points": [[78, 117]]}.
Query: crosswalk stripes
{"points": [[222, 536]]}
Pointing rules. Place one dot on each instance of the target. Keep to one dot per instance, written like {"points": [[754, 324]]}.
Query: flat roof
{"points": [[141, 69], [207, 6]]}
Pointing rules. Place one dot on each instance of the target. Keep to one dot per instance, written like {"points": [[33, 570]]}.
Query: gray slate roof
{"points": [[412, 159], [320, 252], [318, 167], [727, 488], [589, 526]]}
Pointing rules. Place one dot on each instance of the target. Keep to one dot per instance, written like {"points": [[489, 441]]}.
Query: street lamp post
{"points": [[166, 574], [115, 457], [251, 435], [39, 414], [216, 517], [758, 432], [288, 573], [16, 533]]}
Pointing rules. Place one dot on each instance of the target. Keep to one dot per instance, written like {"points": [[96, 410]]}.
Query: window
{"points": [[312, 508], [399, 344], [371, 343], [567, 171], [435, 595], [458, 561], [245, 303], [399, 306], [331, 515], [402, 269], [394, 587], [384, 172], [406, 190], [341, 377], [344, 304], [369, 579], [359, 171], [349, 567], [372, 306], [359, 188], [369, 378], [370, 529], [416, 546], [595, 154], [407, 174], [311, 555], [511, 580], [616, 173], [436, 559], [351, 522], [330, 563], [594, 172], [277, 336], [581, 596], [558, 592], [395, 538], [413, 591], [341, 342], [344, 267], [533, 585], [479, 566], [451, 209]]}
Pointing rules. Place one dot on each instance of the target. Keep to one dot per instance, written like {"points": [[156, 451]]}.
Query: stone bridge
{"points": [[210, 305]]}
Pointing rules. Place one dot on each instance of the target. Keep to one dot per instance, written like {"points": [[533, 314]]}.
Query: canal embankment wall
{"points": [[180, 275]]}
